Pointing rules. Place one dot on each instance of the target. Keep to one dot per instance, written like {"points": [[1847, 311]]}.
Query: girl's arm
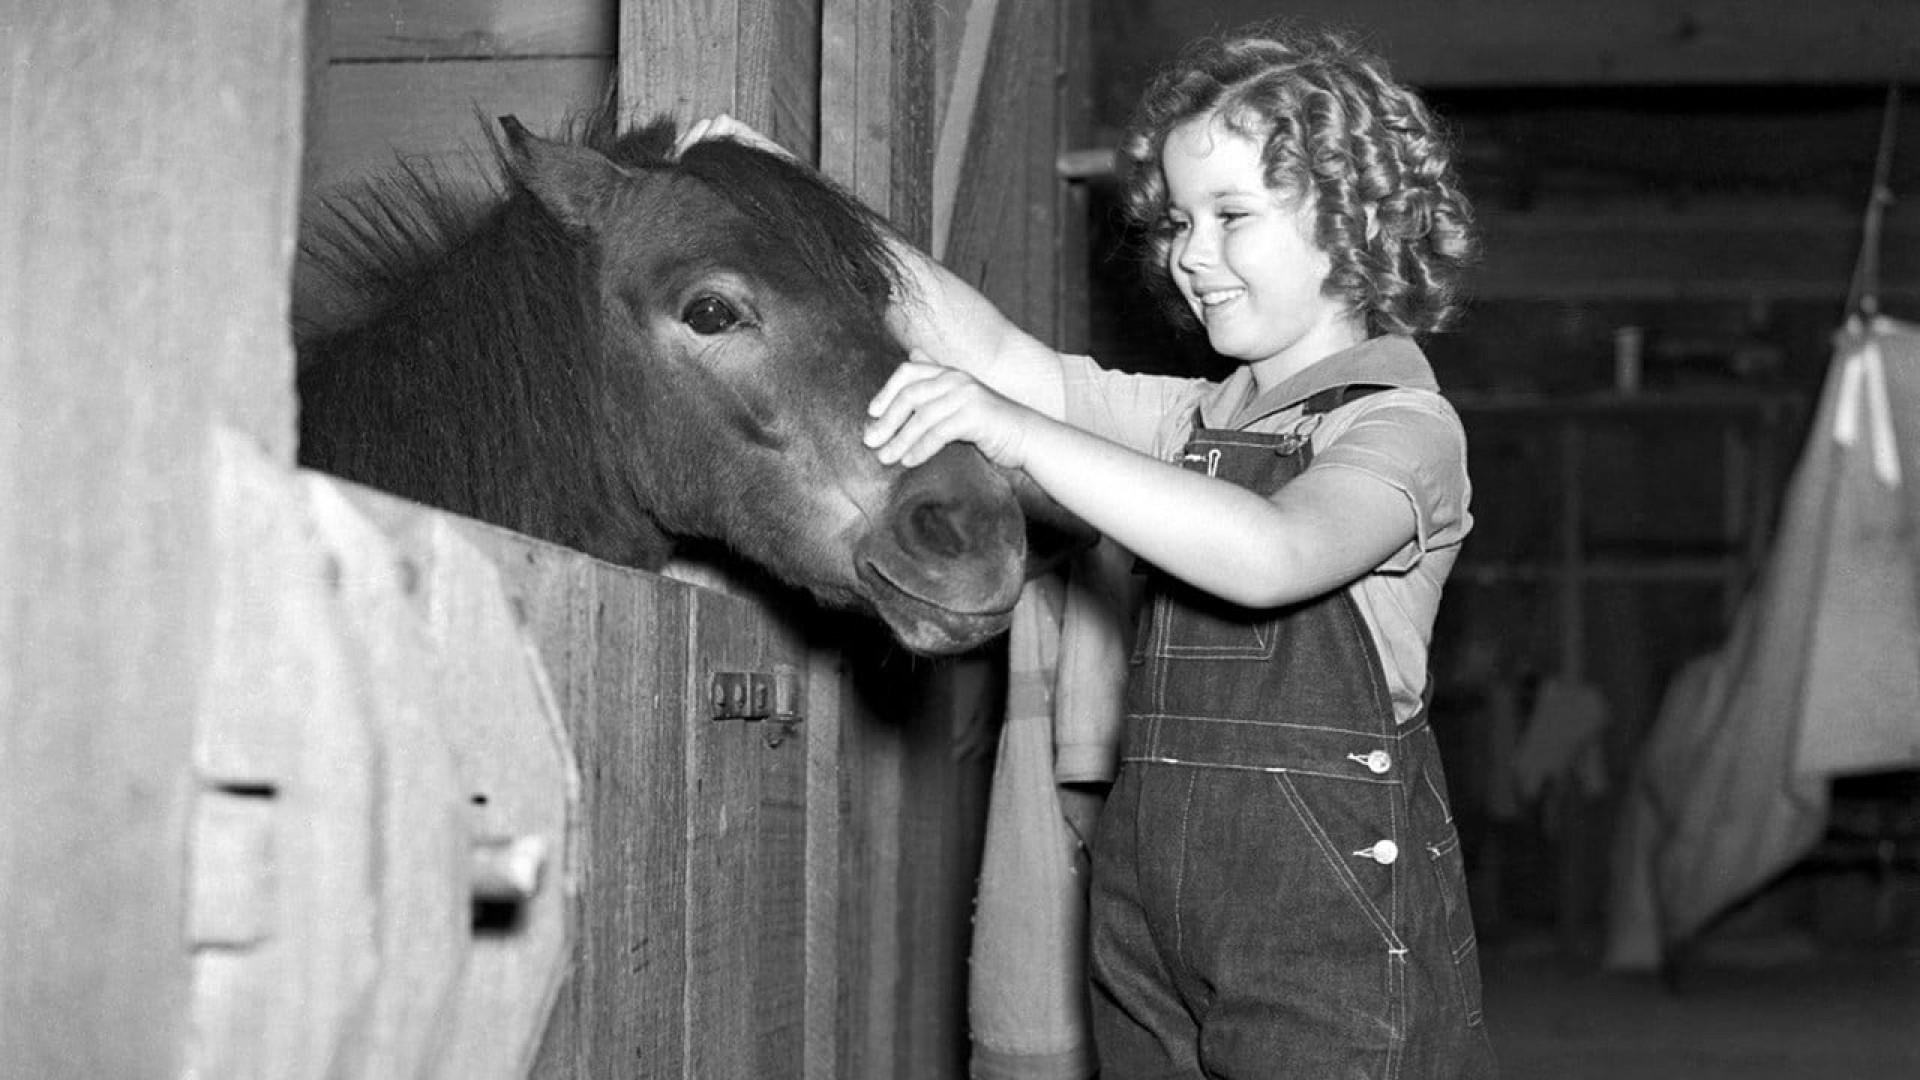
{"points": [[1319, 532], [948, 322]]}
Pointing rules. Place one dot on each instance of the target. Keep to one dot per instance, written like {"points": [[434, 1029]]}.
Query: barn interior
{"points": [[1684, 205]]}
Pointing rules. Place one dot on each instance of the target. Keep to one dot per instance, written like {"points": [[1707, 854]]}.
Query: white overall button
{"points": [[1384, 852], [1379, 762]]}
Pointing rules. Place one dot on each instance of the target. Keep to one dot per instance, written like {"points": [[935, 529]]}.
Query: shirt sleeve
{"points": [[1140, 411], [1412, 440]]}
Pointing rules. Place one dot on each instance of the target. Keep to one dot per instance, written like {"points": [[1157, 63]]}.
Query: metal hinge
{"points": [[777, 697]]}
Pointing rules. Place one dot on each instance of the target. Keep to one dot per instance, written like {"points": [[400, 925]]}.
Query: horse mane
{"points": [[367, 243], [449, 339]]}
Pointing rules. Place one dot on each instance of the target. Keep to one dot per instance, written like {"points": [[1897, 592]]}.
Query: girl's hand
{"points": [[723, 126], [925, 406]]}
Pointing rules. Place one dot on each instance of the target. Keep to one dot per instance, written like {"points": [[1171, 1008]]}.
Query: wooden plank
{"points": [[556, 594], [142, 294], [1565, 42], [287, 758], [783, 862], [959, 109], [497, 712], [909, 104], [1003, 238], [421, 836], [755, 59], [1042, 139], [469, 29], [638, 907], [936, 890], [874, 756], [723, 822], [614, 642], [792, 58], [826, 860], [519, 800], [376, 113], [875, 106], [684, 58], [1073, 331]]}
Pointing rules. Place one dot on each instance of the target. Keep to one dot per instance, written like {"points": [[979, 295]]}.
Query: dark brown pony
{"points": [[619, 350]]}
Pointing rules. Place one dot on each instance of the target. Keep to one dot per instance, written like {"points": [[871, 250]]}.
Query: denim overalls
{"points": [[1277, 884]]}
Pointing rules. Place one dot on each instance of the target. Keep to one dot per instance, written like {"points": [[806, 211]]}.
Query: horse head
{"points": [[720, 318]]}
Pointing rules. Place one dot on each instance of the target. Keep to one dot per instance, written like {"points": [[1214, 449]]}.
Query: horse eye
{"points": [[710, 315]]}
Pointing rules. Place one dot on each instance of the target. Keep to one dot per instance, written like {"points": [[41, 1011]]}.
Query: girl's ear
{"points": [[569, 181]]}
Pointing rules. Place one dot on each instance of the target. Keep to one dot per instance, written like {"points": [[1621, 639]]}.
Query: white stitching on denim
{"points": [[1446, 808], [1180, 879], [1323, 728], [1343, 873], [1162, 759]]}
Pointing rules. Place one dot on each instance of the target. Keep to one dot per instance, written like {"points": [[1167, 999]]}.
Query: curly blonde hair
{"points": [[1333, 124]]}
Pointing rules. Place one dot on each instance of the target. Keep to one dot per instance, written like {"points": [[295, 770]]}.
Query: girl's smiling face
{"points": [[1243, 255]]}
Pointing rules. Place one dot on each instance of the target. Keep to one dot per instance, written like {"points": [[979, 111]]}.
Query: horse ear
{"points": [[570, 181]]}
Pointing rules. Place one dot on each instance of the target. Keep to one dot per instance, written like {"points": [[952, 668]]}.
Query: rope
{"points": [[1863, 297]]}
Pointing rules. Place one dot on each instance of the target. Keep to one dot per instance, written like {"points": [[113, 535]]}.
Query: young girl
{"points": [[1277, 885]]}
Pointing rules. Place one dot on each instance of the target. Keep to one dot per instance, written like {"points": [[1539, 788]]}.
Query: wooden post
{"points": [[149, 165]]}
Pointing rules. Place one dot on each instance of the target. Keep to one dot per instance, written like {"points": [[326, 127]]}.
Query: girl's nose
{"points": [[1193, 250]]}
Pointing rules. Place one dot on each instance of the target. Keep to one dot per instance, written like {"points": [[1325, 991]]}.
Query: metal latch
{"points": [[777, 697]]}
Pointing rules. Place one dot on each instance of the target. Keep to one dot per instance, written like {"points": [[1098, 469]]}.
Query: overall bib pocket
{"points": [[1184, 623]]}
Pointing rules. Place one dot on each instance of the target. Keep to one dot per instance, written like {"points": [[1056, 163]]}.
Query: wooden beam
{"points": [[1563, 42], [1730, 254], [373, 114], [470, 29]]}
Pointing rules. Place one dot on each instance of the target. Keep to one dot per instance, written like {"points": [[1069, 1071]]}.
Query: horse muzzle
{"points": [[946, 560]]}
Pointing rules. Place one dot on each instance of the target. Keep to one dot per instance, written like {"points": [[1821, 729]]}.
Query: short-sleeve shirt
{"points": [[1407, 437]]}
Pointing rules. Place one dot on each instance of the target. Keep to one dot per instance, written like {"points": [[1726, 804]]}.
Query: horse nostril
{"points": [[940, 528]]}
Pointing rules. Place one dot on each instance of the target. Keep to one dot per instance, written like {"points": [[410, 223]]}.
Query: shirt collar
{"points": [[1390, 360]]}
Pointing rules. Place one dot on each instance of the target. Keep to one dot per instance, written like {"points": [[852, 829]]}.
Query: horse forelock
{"points": [[839, 240]]}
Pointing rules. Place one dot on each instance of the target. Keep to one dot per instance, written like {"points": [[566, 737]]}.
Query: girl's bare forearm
{"points": [[1214, 535]]}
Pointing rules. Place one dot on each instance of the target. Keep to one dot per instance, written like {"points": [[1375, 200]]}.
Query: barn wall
{"points": [[419, 77], [226, 682]]}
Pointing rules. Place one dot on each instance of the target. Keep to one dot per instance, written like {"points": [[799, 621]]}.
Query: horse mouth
{"points": [[929, 626]]}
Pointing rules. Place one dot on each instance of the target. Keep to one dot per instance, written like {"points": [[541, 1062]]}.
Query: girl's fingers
{"points": [[905, 375], [724, 126], [694, 133], [912, 404], [919, 436]]}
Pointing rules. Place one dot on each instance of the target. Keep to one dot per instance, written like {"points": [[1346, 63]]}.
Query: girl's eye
{"points": [[1170, 227], [709, 315]]}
